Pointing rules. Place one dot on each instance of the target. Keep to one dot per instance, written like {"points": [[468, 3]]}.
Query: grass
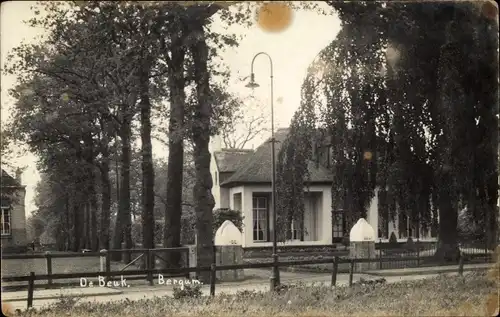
{"points": [[16, 267], [474, 294]]}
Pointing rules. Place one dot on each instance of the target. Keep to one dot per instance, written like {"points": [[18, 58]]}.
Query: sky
{"points": [[292, 51]]}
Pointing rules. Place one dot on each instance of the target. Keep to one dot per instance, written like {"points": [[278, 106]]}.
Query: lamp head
{"points": [[252, 84]]}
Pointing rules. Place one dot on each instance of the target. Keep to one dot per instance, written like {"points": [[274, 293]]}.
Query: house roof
{"points": [[257, 165], [229, 160], [9, 181]]}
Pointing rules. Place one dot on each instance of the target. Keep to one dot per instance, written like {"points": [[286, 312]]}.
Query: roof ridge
{"points": [[233, 150]]}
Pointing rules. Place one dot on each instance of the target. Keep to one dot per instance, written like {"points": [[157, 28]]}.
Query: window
{"points": [[296, 232], [5, 229], [260, 219], [407, 228], [339, 225]]}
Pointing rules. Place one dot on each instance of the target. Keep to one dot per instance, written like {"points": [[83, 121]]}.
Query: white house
{"points": [[242, 181]]}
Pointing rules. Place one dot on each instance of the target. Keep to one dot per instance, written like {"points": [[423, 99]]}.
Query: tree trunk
{"points": [[203, 199], [82, 212], [94, 234], [451, 102], [447, 248], [105, 202], [104, 168], [87, 231], [173, 207], [148, 177], [67, 218], [123, 224], [91, 198], [77, 221]]}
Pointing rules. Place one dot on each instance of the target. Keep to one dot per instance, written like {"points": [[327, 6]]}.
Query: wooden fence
{"points": [[148, 255], [150, 272]]}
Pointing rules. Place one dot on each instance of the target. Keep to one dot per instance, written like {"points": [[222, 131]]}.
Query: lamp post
{"points": [[252, 84]]}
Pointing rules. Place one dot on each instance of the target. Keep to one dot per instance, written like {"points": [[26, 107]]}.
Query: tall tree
{"points": [[389, 91]]}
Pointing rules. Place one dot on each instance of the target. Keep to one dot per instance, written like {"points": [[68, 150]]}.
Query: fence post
{"points": [[418, 251], [108, 265], [149, 266], [48, 259], [486, 249], [102, 260], [212, 279], [31, 286], [461, 264], [188, 274], [334, 271], [380, 254], [351, 272]]}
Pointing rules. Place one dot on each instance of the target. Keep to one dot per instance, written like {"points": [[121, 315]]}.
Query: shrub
{"points": [[187, 291], [66, 302], [223, 214], [188, 225], [469, 229], [393, 241]]}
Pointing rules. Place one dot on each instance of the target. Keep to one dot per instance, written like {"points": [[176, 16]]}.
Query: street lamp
{"points": [[275, 279]]}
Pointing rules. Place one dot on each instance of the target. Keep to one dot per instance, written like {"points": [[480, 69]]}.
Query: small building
{"points": [[13, 218], [242, 181]]}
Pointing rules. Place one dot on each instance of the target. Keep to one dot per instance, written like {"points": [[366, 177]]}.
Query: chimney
{"points": [[18, 175], [215, 143]]}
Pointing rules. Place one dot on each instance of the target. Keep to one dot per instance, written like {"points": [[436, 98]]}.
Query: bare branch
{"points": [[244, 128]]}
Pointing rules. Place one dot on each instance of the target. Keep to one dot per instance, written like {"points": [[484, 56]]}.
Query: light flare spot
{"points": [[492, 304], [8, 309], [490, 10], [274, 17]]}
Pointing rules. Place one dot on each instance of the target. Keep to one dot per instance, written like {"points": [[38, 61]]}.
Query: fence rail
{"points": [[105, 257], [151, 272]]}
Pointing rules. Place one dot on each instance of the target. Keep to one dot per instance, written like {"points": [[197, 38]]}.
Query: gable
{"points": [[8, 181]]}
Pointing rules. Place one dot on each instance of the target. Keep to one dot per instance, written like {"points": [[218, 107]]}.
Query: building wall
{"points": [[237, 201], [18, 237], [373, 219], [323, 220], [240, 198]]}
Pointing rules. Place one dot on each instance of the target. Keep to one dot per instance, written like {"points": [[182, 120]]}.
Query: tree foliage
{"points": [[79, 92], [406, 108]]}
